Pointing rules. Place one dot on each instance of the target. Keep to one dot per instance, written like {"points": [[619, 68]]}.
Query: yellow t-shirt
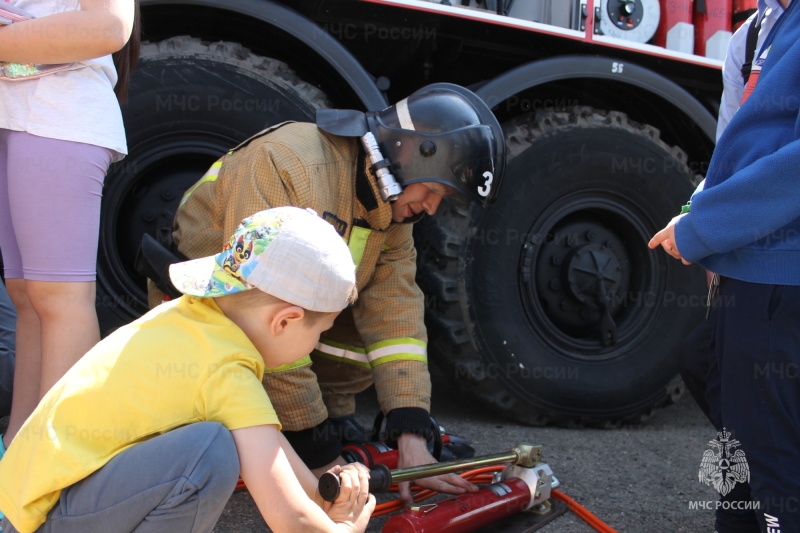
{"points": [[182, 362]]}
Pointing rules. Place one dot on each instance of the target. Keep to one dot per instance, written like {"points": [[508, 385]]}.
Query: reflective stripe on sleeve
{"points": [[406, 349], [348, 354]]}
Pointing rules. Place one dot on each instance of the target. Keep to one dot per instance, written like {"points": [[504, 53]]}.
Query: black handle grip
{"points": [[380, 480]]}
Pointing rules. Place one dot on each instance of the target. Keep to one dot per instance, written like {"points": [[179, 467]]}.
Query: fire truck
{"points": [[547, 306]]}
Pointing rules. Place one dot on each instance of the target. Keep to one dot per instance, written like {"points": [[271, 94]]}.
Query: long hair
{"points": [[126, 58]]}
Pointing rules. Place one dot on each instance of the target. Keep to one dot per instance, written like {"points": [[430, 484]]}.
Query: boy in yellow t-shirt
{"points": [[150, 430]]}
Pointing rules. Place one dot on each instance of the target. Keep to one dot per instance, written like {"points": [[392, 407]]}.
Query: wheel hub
{"points": [[593, 272], [581, 272]]}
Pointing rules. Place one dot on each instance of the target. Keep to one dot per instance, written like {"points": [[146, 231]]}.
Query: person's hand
{"points": [[354, 505], [414, 452], [666, 239]]}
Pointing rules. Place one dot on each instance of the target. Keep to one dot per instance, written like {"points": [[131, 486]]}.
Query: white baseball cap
{"points": [[288, 252]]}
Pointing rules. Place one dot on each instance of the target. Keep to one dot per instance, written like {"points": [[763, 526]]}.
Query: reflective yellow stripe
{"points": [[398, 357], [406, 349], [358, 243], [341, 352], [289, 366], [211, 175], [397, 342]]}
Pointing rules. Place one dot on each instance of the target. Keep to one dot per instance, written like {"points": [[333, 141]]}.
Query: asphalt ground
{"points": [[637, 479]]}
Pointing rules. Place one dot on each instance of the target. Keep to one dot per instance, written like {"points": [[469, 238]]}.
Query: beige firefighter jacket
{"points": [[383, 335]]}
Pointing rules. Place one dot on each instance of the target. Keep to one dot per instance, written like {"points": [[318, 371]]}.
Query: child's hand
{"points": [[666, 239], [355, 504]]}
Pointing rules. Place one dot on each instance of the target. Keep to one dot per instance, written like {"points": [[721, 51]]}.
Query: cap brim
{"points": [[204, 278]]}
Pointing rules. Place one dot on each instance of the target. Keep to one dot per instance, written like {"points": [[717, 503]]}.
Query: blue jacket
{"points": [[746, 223]]}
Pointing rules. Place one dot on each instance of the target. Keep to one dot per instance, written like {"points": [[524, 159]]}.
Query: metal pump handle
{"points": [[381, 478]]}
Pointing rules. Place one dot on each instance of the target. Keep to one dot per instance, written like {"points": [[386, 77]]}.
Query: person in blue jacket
{"points": [[745, 226], [739, 74]]}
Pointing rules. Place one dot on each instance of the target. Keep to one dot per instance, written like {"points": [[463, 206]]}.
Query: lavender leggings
{"points": [[50, 194]]}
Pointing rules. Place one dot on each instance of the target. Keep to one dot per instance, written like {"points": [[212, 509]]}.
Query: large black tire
{"points": [[518, 292], [190, 101]]}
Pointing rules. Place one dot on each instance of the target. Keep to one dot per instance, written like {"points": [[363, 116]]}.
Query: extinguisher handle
{"points": [[380, 480]]}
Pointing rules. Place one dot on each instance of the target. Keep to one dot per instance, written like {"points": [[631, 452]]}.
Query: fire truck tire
{"points": [[190, 101], [517, 293]]}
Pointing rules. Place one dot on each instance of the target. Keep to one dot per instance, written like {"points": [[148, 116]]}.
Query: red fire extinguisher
{"points": [[516, 489], [675, 30], [464, 513], [742, 9], [712, 27]]}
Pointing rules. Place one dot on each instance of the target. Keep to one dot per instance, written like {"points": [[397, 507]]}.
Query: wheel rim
{"points": [[152, 178], [587, 250]]}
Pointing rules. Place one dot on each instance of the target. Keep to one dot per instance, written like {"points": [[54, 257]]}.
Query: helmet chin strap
{"points": [[414, 218], [388, 186]]}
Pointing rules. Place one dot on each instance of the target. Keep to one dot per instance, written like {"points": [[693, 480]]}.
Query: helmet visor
{"points": [[462, 158]]}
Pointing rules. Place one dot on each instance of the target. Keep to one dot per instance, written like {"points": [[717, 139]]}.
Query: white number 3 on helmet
{"points": [[486, 188]]}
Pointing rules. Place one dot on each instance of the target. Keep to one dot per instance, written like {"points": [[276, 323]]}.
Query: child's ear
{"points": [[285, 316]]}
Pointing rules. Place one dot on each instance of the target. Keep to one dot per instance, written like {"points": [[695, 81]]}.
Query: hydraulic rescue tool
{"points": [[513, 490], [381, 478], [524, 485]]}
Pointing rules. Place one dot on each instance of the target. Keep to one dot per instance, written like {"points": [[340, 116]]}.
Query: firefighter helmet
{"points": [[442, 132]]}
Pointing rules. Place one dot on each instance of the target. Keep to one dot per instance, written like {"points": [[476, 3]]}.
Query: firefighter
{"points": [[371, 175]]}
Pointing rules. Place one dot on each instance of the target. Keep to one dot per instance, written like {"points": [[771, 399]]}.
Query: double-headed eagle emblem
{"points": [[726, 467]]}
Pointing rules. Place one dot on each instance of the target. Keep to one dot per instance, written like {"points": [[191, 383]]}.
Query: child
{"points": [[58, 135], [150, 430]]}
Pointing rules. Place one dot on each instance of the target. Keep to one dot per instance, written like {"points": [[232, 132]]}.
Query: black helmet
{"points": [[443, 133]]}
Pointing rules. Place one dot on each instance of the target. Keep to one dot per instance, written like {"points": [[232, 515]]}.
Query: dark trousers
{"points": [[753, 390], [695, 353]]}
